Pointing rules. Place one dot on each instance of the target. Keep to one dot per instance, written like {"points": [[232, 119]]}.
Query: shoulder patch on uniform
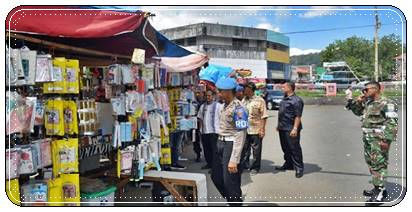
{"points": [[390, 107]]}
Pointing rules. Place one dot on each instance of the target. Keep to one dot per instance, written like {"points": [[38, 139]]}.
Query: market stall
{"points": [[92, 91]]}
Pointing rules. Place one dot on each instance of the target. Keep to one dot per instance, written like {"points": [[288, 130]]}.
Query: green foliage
{"points": [[359, 54]]}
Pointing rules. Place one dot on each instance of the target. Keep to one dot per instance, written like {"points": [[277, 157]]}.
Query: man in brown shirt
{"points": [[226, 171], [257, 114]]}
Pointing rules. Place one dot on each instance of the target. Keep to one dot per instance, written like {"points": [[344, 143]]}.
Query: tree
{"points": [[358, 53]]}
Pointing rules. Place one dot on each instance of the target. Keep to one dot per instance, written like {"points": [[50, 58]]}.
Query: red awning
{"points": [[104, 30]]}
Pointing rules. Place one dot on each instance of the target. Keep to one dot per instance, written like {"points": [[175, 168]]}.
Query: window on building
{"points": [[180, 42], [240, 42], [191, 41]]}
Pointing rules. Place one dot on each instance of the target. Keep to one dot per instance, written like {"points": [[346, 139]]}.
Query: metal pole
{"points": [[377, 26]]}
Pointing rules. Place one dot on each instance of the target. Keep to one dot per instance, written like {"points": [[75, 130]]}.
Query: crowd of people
{"points": [[232, 125]]}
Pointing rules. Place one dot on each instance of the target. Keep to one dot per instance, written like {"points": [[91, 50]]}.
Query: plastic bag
{"points": [[65, 156], [58, 77], [27, 161], [72, 76], [113, 76], [28, 59], [54, 119], [126, 160], [11, 69], [55, 192], [70, 118], [39, 113], [119, 105], [13, 191], [127, 74], [35, 193], [17, 67], [71, 189], [44, 152], [12, 163], [44, 68]]}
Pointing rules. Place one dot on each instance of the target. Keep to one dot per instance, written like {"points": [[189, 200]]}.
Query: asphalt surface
{"points": [[335, 170]]}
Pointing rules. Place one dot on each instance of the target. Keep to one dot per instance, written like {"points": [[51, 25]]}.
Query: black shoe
{"points": [[283, 168], [254, 172], [178, 167], [377, 198], [369, 193], [206, 167], [299, 174]]}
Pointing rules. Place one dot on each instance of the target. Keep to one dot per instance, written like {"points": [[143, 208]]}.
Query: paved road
{"points": [[335, 170]]}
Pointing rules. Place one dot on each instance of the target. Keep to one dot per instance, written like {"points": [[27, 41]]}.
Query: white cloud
{"points": [[297, 51], [268, 26], [318, 11], [173, 16]]}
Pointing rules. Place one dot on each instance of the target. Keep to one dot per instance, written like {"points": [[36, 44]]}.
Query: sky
{"points": [[288, 20]]}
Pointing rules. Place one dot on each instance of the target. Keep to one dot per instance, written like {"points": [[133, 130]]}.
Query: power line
{"points": [[333, 29]]}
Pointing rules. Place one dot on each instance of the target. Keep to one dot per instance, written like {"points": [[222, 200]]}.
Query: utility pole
{"points": [[377, 26]]}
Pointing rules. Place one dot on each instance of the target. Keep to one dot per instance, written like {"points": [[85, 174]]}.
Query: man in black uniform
{"points": [[289, 127]]}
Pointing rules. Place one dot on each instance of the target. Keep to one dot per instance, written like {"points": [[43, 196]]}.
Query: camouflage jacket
{"points": [[379, 115]]}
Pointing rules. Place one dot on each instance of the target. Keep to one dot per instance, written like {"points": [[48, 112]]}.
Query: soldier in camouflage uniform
{"points": [[379, 126]]}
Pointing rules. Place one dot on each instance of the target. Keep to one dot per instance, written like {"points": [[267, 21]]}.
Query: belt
{"points": [[226, 138], [372, 130]]}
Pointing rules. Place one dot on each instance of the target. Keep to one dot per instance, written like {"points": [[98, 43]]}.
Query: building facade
{"points": [[264, 52]]}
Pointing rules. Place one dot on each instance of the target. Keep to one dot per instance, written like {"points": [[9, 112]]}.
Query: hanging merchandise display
{"points": [[34, 194], [65, 156], [39, 113], [11, 71], [71, 189], [127, 74], [119, 105], [28, 60], [72, 76], [147, 75], [44, 68], [28, 161], [58, 77], [70, 117], [19, 113], [88, 123], [114, 75], [138, 56], [126, 162], [44, 156], [54, 119], [12, 163], [17, 74]]}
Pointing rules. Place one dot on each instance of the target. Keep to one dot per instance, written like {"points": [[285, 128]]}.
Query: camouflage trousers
{"points": [[376, 158]]}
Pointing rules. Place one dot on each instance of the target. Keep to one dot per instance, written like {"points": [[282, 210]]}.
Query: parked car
{"points": [[273, 99]]}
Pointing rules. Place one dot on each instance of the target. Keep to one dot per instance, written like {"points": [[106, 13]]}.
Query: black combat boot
{"points": [[377, 197], [369, 193]]}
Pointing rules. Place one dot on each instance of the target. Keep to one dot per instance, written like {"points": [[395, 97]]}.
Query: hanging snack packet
{"points": [[44, 68], [39, 113], [70, 117], [58, 77], [65, 156], [54, 121], [72, 76], [71, 189]]}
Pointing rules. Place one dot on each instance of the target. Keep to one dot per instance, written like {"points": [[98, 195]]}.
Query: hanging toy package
{"points": [[126, 160], [44, 152], [12, 163], [28, 59], [113, 76], [39, 113], [44, 68], [72, 76], [27, 161], [127, 74], [70, 118], [65, 156], [119, 105], [58, 76], [17, 66], [71, 189], [54, 122], [34, 194]]}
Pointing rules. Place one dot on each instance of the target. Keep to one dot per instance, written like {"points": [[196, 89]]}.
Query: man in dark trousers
{"points": [[289, 127], [226, 171], [209, 123]]}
